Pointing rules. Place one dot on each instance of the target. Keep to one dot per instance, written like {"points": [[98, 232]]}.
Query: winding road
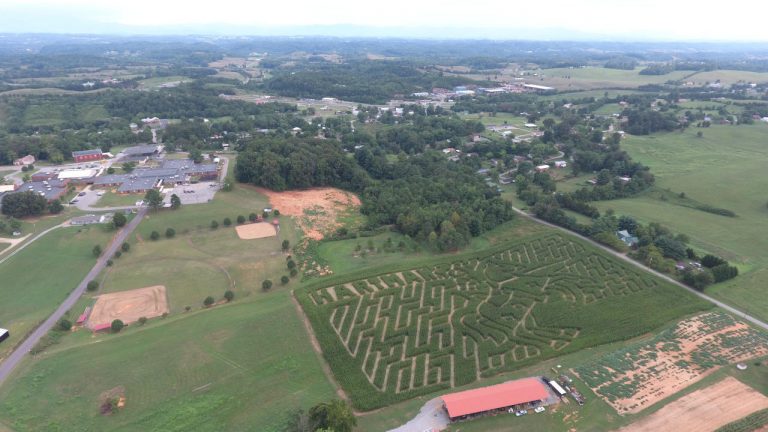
{"points": [[13, 360]]}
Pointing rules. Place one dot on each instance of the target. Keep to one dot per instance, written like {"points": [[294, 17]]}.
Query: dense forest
{"points": [[373, 82]]}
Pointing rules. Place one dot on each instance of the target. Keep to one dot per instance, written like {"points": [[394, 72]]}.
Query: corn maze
{"points": [[399, 334]]}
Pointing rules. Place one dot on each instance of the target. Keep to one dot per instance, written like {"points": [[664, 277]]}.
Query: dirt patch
{"points": [[128, 306], [255, 231], [111, 400], [638, 376], [704, 410], [316, 210]]}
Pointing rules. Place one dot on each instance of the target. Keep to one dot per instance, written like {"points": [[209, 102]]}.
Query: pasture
{"points": [[228, 368], [200, 261], [393, 334], [592, 78], [38, 278], [724, 169]]}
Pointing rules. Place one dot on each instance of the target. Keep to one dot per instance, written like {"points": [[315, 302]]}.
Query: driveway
{"points": [[431, 417]]}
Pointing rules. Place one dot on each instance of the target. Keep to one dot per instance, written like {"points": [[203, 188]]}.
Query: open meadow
{"points": [[38, 278], [724, 168], [593, 78], [395, 333], [228, 368]]}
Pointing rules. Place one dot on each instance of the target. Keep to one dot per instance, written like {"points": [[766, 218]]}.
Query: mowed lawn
{"points": [[725, 168], [34, 281], [245, 366]]}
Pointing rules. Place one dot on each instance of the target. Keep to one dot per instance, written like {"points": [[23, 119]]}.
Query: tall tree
{"points": [[154, 199]]}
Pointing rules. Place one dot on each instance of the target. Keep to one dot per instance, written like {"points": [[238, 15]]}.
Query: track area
{"points": [[256, 231]]}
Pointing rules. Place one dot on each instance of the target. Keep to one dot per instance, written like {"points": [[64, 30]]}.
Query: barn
{"points": [[500, 397]]}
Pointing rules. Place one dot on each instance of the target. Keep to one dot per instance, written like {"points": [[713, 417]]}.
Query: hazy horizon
{"points": [[589, 20]]}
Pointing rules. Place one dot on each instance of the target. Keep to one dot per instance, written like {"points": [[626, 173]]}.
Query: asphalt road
{"points": [[731, 309], [10, 363]]}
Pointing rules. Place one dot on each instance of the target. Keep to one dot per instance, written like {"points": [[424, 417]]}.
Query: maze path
{"points": [[438, 325]]}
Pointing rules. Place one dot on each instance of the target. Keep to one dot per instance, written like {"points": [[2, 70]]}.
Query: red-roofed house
{"points": [[497, 397]]}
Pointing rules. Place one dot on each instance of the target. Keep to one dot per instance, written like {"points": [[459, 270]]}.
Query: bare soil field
{"points": [[255, 231], [129, 306], [641, 375], [704, 410], [315, 210]]}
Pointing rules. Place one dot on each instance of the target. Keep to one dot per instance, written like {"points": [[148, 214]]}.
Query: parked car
{"points": [[81, 194], [521, 413], [539, 410]]}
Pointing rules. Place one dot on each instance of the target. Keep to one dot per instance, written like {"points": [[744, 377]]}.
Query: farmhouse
{"points": [[87, 155], [26, 160], [627, 238], [561, 164], [500, 397]]}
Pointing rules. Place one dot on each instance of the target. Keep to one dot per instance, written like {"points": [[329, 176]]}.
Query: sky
{"points": [[684, 20]]}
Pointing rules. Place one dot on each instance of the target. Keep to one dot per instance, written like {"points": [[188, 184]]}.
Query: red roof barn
{"points": [[495, 397]]}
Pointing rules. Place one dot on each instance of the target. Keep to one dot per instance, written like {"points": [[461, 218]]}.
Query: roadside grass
{"points": [[4, 246], [725, 169], [38, 278], [229, 368]]}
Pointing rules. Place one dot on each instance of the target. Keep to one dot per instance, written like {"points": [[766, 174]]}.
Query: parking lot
{"points": [[197, 193]]}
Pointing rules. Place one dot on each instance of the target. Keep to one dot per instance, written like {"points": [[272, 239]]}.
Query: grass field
{"points": [[591, 78], [728, 77], [226, 369], [724, 169], [38, 278], [112, 199], [392, 334], [159, 81]]}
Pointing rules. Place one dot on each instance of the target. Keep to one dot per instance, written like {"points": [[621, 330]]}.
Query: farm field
{"points": [[705, 409], [591, 78], [640, 375], [394, 334], [225, 369], [728, 77], [38, 278], [727, 159]]}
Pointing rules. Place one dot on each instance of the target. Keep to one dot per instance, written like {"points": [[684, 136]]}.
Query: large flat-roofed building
{"points": [[499, 397], [50, 190], [142, 150], [87, 155], [78, 175]]}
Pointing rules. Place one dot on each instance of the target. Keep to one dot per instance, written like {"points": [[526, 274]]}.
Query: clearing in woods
{"points": [[704, 410], [255, 231], [129, 306], [640, 375], [316, 210], [390, 335]]}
